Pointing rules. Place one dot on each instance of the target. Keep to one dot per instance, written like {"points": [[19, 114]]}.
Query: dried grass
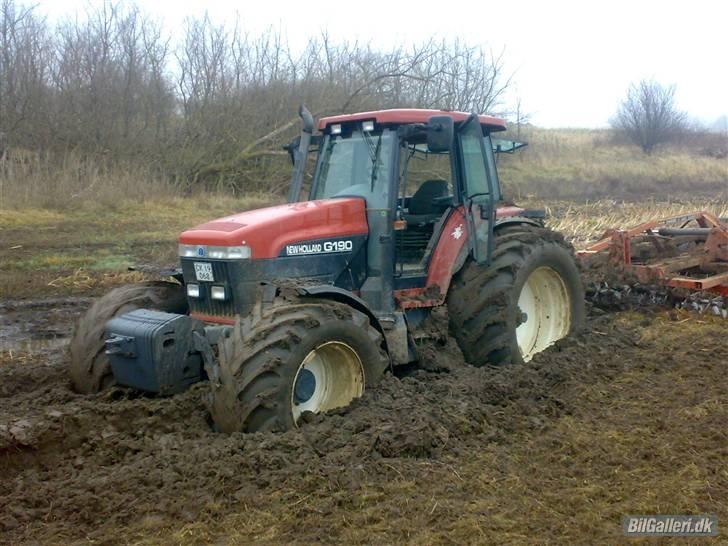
{"points": [[585, 222], [558, 164], [585, 164], [65, 182]]}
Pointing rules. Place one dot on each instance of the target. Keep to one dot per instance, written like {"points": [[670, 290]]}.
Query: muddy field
{"points": [[629, 417]]}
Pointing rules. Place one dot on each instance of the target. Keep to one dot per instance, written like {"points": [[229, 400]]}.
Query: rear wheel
{"points": [[293, 358], [528, 298], [90, 368]]}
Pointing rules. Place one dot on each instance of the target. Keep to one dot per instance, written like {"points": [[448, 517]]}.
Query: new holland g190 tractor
{"points": [[301, 307]]}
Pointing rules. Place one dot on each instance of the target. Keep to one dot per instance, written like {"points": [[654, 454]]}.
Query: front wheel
{"points": [[529, 297], [292, 358]]}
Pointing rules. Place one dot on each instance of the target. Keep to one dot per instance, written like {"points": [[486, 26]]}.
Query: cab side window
{"points": [[428, 187]]}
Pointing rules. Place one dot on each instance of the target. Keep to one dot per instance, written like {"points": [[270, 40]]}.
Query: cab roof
{"points": [[399, 116]]}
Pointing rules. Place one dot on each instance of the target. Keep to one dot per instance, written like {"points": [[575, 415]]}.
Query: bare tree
{"points": [[110, 87], [519, 116], [648, 115], [25, 54]]}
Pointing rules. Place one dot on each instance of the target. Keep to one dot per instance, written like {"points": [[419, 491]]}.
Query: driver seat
{"points": [[421, 216], [421, 209]]}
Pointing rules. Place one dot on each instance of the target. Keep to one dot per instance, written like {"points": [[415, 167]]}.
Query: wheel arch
{"points": [[516, 221], [340, 295]]}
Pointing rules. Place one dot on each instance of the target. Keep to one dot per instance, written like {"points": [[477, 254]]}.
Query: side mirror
{"points": [[440, 130]]}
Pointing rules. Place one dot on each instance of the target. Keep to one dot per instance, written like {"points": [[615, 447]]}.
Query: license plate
{"points": [[203, 272]]}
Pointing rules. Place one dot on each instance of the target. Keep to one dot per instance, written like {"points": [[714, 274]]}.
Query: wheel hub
{"points": [[305, 386], [330, 376], [545, 312]]}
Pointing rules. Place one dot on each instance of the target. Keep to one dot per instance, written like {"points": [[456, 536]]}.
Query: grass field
{"points": [[88, 248], [586, 164]]}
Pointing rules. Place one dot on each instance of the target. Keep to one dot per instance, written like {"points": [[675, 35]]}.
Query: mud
{"points": [[78, 468]]}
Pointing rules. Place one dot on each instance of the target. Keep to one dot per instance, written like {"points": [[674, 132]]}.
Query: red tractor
{"points": [[298, 308]]}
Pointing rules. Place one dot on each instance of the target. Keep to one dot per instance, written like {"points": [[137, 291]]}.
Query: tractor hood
{"points": [[267, 231]]}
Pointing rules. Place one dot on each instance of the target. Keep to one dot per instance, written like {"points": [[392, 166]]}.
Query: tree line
{"points": [[215, 106]]}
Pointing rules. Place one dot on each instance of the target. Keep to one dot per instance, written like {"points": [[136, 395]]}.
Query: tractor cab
{"points": [[415, 170]]}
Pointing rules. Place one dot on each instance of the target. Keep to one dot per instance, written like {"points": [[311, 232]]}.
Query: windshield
{"points": [[356, 164]]}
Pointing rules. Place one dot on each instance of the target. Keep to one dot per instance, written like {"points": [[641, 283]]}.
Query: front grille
{"points": [[205, 305]]}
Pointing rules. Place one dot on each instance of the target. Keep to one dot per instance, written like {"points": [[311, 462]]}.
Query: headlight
{"points": [[218, 293], [215, 252], [193, 290]]}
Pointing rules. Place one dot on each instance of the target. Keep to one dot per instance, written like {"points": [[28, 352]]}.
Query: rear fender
{"points": [[499, 224], [450, 252], [450, 255]]}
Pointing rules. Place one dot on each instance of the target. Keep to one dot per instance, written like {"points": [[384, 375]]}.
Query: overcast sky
{"points": [[572, 61]]}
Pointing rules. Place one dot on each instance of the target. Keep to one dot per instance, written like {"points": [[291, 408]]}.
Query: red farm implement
{"points": [[689, 251]]}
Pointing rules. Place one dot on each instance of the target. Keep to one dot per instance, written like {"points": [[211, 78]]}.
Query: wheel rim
{"points": [[546, 307], [330, 376]]}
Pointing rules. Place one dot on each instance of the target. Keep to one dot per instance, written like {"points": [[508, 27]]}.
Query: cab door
{"points": [[476, 189]]}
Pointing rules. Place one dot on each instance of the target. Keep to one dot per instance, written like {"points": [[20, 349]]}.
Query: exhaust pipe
{"points": [[300, 155]]}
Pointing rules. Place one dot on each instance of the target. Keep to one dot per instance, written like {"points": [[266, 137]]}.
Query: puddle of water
{"points": [[33, 345], [37, 327]]}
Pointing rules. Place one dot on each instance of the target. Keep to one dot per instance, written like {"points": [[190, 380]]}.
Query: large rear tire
{"points": [[529, 297], [90, 368], [291, 358]]}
